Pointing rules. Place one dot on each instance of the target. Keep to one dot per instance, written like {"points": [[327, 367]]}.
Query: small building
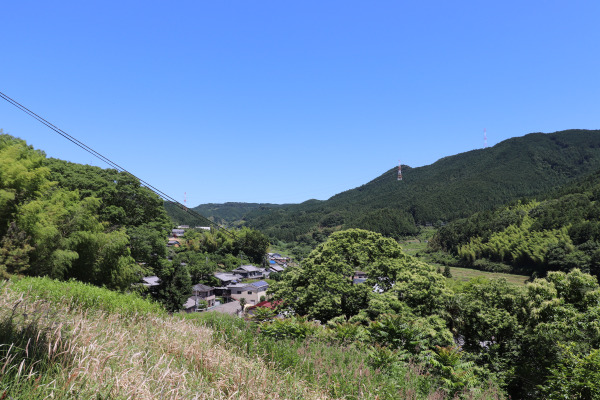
{"points": [[252, 292], [206, 293], [249, 272], [178, 232], [227, 278], [276, 268], [173, 243], [152, 283]]}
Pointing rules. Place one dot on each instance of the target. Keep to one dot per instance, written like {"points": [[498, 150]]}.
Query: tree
{"points": [[175, 287], [148, 244], [574, 377], [323, 287], [253, 244], [447, 273]]}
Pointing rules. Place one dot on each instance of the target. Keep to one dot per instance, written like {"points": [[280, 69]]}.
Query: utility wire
{"points": [[114, 165]]}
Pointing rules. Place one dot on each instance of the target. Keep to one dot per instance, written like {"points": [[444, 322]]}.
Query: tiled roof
{"points": [[201, 288]]}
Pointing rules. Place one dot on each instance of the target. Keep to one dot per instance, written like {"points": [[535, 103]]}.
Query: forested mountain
{"points": [[451, 188], [225, 214], [560, 232]]}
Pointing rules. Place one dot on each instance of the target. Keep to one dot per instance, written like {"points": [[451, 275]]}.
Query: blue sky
{"points": [[282, 101]]}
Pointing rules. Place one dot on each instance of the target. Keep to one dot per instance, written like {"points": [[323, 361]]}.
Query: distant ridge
{"points": [[454, 186], [224, 214]]}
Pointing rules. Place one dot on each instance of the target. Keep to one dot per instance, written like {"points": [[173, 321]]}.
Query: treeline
{"points": [[453, 187], [65, 220], [227, 214], [556, 234], [71, 221], [537, 341]]}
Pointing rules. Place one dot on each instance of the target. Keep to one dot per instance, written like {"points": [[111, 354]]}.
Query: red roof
{"points": [[267, 304]]}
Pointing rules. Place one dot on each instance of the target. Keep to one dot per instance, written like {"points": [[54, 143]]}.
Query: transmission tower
{"points": [[484, 138], [399, 170]]}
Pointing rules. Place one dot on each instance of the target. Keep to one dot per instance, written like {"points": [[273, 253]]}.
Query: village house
{"points": [[178, 232], [251, 292], [275, 268], [227, 278], [206, 293], [249, 272], [200, 293], [151, 283]]}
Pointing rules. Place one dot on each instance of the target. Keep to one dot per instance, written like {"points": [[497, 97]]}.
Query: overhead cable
{"points": [[114, 165]]}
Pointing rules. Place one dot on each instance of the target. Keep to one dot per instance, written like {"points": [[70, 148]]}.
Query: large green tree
{"points": [[323, 287]]}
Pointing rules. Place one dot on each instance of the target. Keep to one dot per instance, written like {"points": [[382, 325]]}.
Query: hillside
{"points": [[68, 340], [225, 214], [453, 187], [557, 231]]}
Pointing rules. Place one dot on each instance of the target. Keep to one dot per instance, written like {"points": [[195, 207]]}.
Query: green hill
{"points": [[559, 231], [225, 214], [453, 187]]}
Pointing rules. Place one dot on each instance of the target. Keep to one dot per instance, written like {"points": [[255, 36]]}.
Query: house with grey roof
{"points": [[249, 272], [177, 232], [206, 293], [227, 278], [275, 268]]}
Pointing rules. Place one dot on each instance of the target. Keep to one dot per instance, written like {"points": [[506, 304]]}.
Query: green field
{"points": [[464, 274], [416, 245]]}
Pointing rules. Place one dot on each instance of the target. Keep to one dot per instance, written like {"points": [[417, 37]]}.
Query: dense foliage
{"points": [[559, 233], [523, 338], [226, 214], [323, 287], [66, 221]]}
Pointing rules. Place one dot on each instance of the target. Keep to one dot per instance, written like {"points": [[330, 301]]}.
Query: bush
{"points": [[490, 266]]}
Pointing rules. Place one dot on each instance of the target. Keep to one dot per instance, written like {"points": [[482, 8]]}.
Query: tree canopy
{"points": [[323, 287]]}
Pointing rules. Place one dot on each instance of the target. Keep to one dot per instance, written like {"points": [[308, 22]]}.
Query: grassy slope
{"points": [[62, 350], [70, 340]]}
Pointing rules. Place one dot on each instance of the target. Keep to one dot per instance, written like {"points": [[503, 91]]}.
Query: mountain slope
{"points": [[225, 214], [452, 187]]}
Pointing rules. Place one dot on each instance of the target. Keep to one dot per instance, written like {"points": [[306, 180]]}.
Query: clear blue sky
{"points": [[284, 101]]}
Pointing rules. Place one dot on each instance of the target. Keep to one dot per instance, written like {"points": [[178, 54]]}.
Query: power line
{"points": [[114, 165]]}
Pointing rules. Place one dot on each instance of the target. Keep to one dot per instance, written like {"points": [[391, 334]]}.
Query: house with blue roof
{"points": [[252, 292]]}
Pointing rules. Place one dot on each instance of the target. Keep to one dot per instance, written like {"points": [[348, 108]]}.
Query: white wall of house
{"points": [[251, 296]]}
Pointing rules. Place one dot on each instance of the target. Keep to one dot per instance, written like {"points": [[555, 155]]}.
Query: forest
{"points": [[71, 221], [559, 232]]}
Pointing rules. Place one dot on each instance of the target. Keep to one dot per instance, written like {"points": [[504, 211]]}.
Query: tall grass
{"points": [[74, 341], [343, 371], [50, 349], [74, 294]]}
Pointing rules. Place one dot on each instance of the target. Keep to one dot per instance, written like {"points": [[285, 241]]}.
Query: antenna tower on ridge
{"points": [[399, 170], [484, 138], [185, 200]]}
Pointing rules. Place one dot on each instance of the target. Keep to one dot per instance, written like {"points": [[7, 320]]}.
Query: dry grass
{"points": [[76, 354]]}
